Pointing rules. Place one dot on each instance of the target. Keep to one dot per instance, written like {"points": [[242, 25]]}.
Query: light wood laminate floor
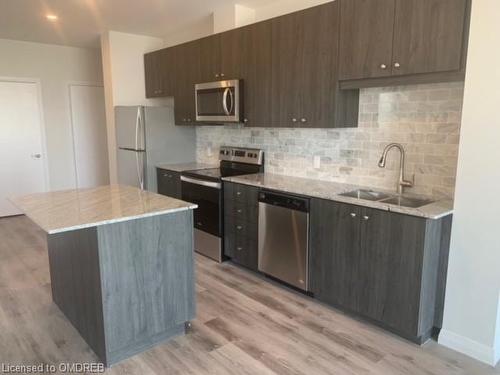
{"points": [[245, 325]]}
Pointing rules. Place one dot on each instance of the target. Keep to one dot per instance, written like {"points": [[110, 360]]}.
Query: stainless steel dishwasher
{"points": [[284, 238]]}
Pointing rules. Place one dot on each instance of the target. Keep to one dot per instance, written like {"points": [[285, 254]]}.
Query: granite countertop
{"points": [[62, 211], [186, 166], [332, 190]]}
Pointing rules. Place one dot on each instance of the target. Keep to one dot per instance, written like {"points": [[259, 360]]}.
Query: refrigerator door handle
{"points": [[140, 168]]}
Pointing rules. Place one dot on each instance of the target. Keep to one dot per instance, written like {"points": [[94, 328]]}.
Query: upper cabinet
{"points": [[187, 74], [395, 38], [247, 56], [159, 73], [428, 36], [366, 29], [305, 70]]}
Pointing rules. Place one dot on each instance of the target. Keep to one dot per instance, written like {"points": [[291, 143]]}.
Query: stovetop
{"points": [[215, 174], [233, 162]]}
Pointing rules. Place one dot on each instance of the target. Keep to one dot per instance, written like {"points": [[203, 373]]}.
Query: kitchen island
{"points": [[121, 264]]}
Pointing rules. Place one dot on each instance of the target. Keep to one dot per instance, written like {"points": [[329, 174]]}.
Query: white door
{"points": [[89, 135], [22, 169]]}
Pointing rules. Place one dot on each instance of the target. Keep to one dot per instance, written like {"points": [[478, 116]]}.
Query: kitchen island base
{"points": [[125, 286]]}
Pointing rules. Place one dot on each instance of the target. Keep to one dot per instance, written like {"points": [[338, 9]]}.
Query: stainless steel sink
{"points": [[376, 196], [407, 202], [368, 195]]}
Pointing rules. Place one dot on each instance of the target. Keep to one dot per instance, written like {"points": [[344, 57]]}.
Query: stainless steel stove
{"points": [[204, 187]]}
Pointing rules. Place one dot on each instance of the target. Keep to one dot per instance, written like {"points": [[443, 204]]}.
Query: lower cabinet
{"points": [[241, 224], [169, 183], [381, 265]]}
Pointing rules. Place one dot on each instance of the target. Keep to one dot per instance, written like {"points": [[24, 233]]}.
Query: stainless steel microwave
{"points": [[218, 101]]}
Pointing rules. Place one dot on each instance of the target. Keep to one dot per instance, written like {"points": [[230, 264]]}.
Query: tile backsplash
{"points": [[425, 119]]}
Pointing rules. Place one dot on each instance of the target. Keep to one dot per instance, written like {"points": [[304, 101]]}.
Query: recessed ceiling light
{"points": [[51, 17]]}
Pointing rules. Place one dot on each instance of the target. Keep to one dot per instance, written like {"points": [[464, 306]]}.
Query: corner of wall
{"points": [[468, 347], [496, 343], [108, 102]]}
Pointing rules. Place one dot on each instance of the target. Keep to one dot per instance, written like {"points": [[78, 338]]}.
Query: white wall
{"points": [[280, 7], [203, 27], [123, 71], [472, 298], [55, 66]]}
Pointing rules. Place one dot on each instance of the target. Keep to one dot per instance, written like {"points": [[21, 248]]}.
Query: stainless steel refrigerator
{"points": [[146, 137]]}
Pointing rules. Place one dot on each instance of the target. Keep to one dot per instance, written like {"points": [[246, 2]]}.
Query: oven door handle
{"points": [[215, 185]]}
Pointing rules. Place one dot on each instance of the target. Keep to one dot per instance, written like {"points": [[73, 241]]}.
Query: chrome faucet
{"points": [[402, 182]]}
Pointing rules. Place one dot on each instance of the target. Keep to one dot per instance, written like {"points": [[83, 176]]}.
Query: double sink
{"points": [[375, 196]]}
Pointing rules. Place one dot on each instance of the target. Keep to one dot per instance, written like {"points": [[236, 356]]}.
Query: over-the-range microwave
{"points": [[219, 101]]}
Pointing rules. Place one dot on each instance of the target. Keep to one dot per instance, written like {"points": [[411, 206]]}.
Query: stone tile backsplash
{"points": [[425, 119]]}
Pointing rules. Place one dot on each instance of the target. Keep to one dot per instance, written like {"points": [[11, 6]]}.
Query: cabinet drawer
{"points": [[241, 211], [242, 248], [240, 227], [169, 183], [241, 193]]}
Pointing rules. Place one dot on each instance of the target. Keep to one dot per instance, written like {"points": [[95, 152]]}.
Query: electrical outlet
{"points": [[317, 162]]}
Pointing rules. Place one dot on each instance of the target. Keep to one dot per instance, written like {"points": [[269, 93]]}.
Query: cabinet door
{"points": [[366, 35], [428, 36], [167, 71], [187, 74], [319, 65], [209, 55], [305, 67], [246, 55], [286, 73], [390, 265], [152, 73], [335, 242]]}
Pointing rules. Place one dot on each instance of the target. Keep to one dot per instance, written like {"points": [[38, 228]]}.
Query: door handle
{"points": [[227, 91]]}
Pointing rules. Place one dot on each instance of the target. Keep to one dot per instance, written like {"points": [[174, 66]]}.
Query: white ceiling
{"points": [[82, 21]]}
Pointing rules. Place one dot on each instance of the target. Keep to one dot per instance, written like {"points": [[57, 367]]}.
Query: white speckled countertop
{"points": [[332, 190], [186, 166], [62, 211]]}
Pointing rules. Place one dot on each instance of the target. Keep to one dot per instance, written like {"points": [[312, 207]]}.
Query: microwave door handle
{"points": [[232, 101], [224, 101]]}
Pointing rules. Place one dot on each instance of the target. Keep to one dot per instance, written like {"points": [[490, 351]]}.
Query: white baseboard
{"points": [[469, 347]]}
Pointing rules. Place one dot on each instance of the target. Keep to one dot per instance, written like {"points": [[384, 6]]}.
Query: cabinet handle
{"points": [[222, 74], [397, 65], [239, 227], [239, 248], [245, 120], [366, 218], [238, 193], [216, 75], [294, 119], [239, 211], [353, 214], [189, 120], [167, 175], [383, 66], [303, 120]]}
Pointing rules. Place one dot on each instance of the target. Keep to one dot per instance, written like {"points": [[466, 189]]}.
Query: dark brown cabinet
{"points": [[247, 56], [241, 224], [381, 265], [305, 69], [428, 36], [209, 54], [187, 74], [366, 29], [169, 183], [153, 74], [396, 38]]}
